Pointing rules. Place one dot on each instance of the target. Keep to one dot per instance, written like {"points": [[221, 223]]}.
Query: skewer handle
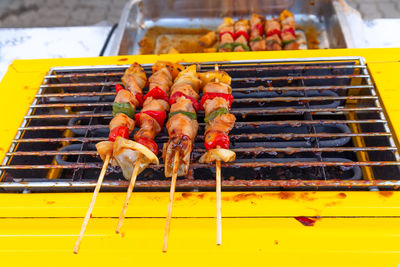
{"points": [[129, 193], [90, 209], [218, 197], [171, 199]]}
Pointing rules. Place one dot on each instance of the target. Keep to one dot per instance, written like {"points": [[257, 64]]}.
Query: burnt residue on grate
{"points": [[300, 124]]}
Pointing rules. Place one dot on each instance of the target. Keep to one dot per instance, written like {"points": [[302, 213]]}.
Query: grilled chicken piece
{"points": [[225, 39], [185, 89], [223, 123], [226, 25], [214, 87], [258, 45], [155, 104], [241, 25], [240, 40], [208, 39], [287, 18], [256, 19], [162, 78], [272, 24], [173, 68], [287, 36], [149, 127], [213, 104], [126, 152], [125, 96], [104, 148], [274, 42], [182, 104], [180, 124], [134, 78], [189, 76], [122, 120]]}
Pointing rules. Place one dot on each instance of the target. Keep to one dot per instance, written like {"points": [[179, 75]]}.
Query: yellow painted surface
{"points": [[234, 204], [258, 228], [246, 242]]}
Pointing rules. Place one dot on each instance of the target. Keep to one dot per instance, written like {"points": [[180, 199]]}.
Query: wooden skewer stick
{"points": [[171, 199], [218, 193], [89, 211], [129, 193]]}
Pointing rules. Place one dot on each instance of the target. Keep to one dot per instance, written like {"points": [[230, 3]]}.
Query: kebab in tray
{"points": [[119, 149], [241, 36], [182, 129], [273, 34], [257, 41], [216, 103], [288, 32], [226, 35]]}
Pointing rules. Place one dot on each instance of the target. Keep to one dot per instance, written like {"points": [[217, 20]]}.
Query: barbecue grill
{"points": [[315, 137]]}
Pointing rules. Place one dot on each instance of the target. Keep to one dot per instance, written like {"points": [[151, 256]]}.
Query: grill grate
{"points": [[301, 124]]}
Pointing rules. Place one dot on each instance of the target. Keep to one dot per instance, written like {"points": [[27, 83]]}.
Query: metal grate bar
{"points": [[291, 129], [201, 137], [225, 165]]}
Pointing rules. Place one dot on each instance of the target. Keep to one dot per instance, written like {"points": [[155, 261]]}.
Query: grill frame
{"points": [[298, 184]]}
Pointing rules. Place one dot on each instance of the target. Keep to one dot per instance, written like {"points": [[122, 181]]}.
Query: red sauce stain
{"points": [[386, 193], [178, 198], [226, 198], [123, 59], [201, 196], [26, 87], [91, 215], [330, 204], [244, 196], [342, 195], [276, 242], [122, 234], [1, 149], [306, 196], [50, 202], [186, 195], [286, 195], [305, 221]]}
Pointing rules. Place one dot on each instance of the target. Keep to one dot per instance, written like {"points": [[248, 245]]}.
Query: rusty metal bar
{"points": [[76, 94], [247, 80], [299, 88], [303, 164], [253, 150], [187, 183], [242, 111], [284, 136], [240, 100], [292, 123], [295, 78], [102, 74]]}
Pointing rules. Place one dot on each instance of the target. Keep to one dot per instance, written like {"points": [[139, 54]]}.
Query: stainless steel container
{"points": [[326, 17]]}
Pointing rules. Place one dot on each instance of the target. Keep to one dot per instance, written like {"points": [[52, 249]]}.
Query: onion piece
{"points": [[221, 154]]}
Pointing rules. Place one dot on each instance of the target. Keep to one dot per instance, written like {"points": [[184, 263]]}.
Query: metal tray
{"points": [[325, 17]]}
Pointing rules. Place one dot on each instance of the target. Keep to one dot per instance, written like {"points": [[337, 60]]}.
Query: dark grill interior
{"points": [[300, 125]]}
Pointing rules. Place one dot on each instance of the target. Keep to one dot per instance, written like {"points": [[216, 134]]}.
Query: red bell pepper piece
{"points": [[172, 99], [274, 31], [149, 143], [119, 87], [291, 30], [206, 96], [216, 140], [139, 97], [159, 116], [260, 28], [222, 33], [245, 34], [118, 131], [157, 93]]}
